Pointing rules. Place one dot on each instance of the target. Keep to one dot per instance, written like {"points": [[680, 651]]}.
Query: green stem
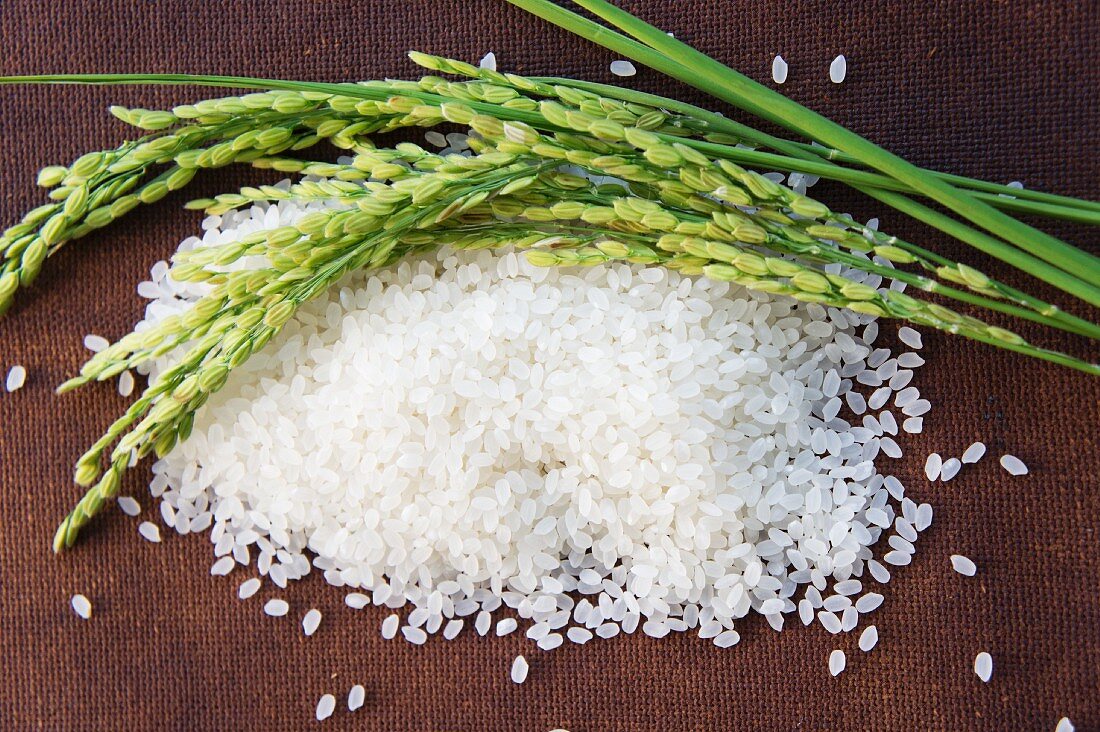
{"points": [[1061, 359], [726, 84], [982, 242]]}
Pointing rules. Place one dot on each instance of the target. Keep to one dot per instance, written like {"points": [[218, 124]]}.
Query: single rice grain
{"points": [[82, 606], [276, 608], [779, 70], [868, 638], [16, 378], [325, 707], [837, 662], [311, 621], [974, 453], [149, 531], [356, 697], [983, 666], [519, 670], [963, 565], [623, 68], [838, 69], [1013, 464]]}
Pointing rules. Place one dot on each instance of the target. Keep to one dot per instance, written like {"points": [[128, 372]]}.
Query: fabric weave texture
{"points": [[1004, 90]]}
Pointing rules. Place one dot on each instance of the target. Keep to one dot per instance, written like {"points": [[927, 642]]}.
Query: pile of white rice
{"points": [[599, 449]]}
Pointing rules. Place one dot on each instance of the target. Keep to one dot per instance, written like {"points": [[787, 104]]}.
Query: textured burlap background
{"points": [[1004, 90]]}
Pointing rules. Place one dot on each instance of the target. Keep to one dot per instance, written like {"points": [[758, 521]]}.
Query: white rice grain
{"points": [[880, 573], [16, 378], [868, 603], [868, 638], [95, 343], [963, 565], [838, 69], [126, 384], [390, 626], [933, 466], [623, 68], [248, 588], [727, 639], [829, 621], [1013, 464], [950, 469], [82, 606], [356, 697], [837, 662], [779, 70], [910, 337], [923, 518], [974, 453], [326, 705], [311, 621], [149, 531], [356, 600], [276, 608], [519, 670], [129, 505], [416, 636], [223, 566], [550, 642], [983, 666]]}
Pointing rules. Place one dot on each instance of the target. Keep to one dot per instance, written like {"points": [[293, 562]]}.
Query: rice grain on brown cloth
{"points": [[998, 89]]}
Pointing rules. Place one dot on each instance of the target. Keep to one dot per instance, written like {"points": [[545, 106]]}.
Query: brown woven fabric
{"points": [[1003, 90]]}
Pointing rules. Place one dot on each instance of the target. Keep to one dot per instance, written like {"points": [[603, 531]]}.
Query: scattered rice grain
{"points": [[963, 565], [82, 606], [983, 666]]}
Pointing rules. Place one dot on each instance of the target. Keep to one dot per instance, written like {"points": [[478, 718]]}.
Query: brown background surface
{"points": [[1003, 90]]}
